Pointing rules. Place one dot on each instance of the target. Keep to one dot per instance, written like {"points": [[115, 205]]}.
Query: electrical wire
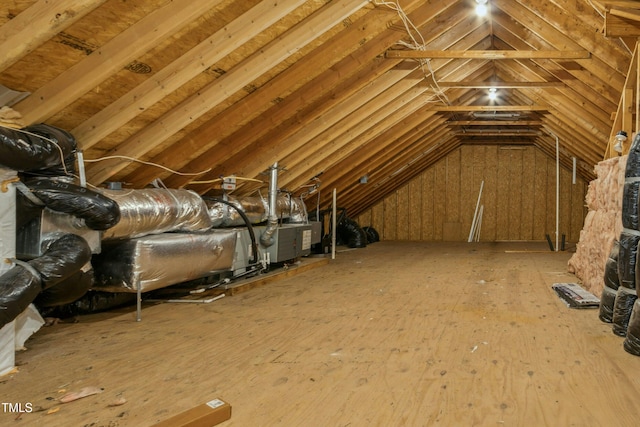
{"points": [[55, 144], [211, 181], [417, 43], [99, 159]]}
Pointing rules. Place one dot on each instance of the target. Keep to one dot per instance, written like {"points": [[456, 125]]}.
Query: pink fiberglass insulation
{"points": [[602, 225]]}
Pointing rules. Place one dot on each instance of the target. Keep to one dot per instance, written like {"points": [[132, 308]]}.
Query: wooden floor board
{"points": [[397, 333]]}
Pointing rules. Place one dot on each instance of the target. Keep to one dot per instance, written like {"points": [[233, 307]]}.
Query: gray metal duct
{"points": [[266, 239]]}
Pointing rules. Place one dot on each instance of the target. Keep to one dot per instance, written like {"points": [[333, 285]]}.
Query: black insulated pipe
{"points": [[20, 285]]}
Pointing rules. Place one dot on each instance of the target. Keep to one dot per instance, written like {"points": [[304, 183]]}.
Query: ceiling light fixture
{"points": [[620, 138], [493, 94], [482, 8]]}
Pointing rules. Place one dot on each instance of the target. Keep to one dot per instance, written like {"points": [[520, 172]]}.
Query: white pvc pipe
{"points": [[557, 190], [573, 175], [334, 224]]}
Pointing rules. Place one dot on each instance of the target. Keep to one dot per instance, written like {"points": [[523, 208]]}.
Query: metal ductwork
{"points": [[266, 239]]}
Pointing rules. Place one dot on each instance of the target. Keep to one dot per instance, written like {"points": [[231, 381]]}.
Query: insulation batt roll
{"points": [[602, 225], [627, 259], [611, 278], [611, 285], [633, 161], [630, 194], [607, 304], [632, 341], [38, 149], [625, 299]]}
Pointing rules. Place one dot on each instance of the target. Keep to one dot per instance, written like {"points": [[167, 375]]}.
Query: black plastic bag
{"points": [[611, 278], [628, 249], [607, 302], [630, 194], [632, 168], [625, 299], [632, 342]]}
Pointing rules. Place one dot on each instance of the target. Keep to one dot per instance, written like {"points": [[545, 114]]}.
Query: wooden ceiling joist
{"points": [[496, 122], [501, 85], [22, 34], [471, 108], [487, 54], [229, 87], [199, 103], [619, 23]]}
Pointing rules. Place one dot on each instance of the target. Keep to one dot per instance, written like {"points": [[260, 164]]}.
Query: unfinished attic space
{"points": [[319, 213]]}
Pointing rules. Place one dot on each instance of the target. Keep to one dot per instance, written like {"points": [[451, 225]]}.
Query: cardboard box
{"points": [[206, 415]]}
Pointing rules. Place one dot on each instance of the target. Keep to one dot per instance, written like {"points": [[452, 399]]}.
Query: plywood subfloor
{"points": [[395, 334]]}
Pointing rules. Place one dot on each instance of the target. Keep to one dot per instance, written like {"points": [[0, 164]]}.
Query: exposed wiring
{"points": [[417, 43], [211, 181], [99, 159]]}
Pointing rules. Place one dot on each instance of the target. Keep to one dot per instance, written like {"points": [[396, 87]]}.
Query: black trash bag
{"points": [[98, 211], [38, 149], [62, 258], [628, 249], [92, 302], [632, 169], [632, 341], [630, 194], [351, 233], [67, 291], [611, 278], [607, 302], [625, 299], [372, 234], [18, 288]]}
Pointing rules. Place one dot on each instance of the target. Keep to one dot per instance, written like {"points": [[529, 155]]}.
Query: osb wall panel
{"points": [[518, 198]]}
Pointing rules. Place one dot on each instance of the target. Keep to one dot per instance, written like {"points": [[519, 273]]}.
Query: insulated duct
{"points": [[226, 213], [155, 211], [21, 284], [98, 212], [247, 222], [38, 150]]}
